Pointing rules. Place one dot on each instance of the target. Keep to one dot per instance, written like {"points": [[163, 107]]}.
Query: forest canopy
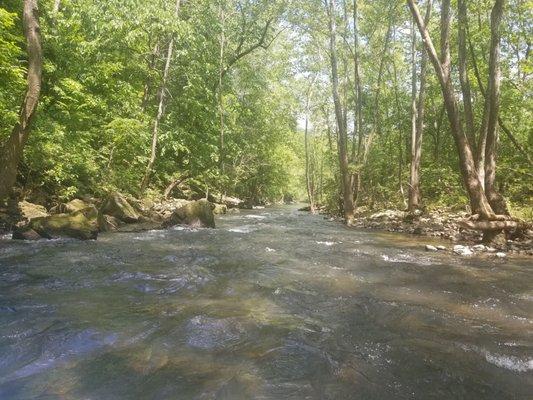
{"points": [[338, 102]]}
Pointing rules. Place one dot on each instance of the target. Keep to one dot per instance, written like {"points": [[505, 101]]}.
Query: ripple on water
{"points": [[509, 362], [59, 347], [242, 229], [213, 334]]}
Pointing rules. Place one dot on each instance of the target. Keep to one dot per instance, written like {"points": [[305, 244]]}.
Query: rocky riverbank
{"points": [[85, 218], [444, 224]]}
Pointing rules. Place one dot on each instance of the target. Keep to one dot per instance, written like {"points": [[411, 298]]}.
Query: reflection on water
{"points": [[274, 304]]}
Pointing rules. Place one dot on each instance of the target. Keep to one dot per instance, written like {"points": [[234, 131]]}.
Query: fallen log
{"points": [[493, 225]]}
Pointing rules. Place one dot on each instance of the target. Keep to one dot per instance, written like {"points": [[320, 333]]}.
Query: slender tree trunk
{"points": [[476, 194], [221, 110], [12, 149], [160, 110], [348, 204], [308, 177], [463, 72], [57, 5], [358, 109], [496, 200], [415, 197], [414, 182]]}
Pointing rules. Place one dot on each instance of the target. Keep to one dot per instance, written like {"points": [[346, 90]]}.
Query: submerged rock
{"points": [[117, 206], [197, 214], [431, 248], [78, 225]]}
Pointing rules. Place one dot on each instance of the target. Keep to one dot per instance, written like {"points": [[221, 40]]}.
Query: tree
{"points": [[12, 149], [442, 65], [161, 94], [340, 117], [417, 129]]}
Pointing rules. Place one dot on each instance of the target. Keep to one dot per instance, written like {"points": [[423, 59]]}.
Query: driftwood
{"points": [[175, 183], [489, 225]]}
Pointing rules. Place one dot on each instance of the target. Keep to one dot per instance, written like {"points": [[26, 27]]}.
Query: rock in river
{"points": [[198, 214], [117, 206], [462, 250], [78, 225]]}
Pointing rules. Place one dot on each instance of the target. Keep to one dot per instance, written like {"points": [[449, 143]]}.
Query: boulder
{"points": [[197, 214], [78, 225], [108, 223], [117, 206], [71, 206], [29, 211], [220, 208]]}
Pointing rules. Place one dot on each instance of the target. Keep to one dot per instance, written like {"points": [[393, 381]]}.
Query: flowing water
{"points": [[273, 304]]}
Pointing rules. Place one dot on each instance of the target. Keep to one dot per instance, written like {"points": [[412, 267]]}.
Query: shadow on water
{"points": [[273, 304]]}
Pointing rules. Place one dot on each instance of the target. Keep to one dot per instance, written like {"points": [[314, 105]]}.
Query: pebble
{"points": [[479, 247], [501, 255], [441, 248], [431, 248]]}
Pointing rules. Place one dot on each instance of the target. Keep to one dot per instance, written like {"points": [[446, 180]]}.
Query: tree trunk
{"points": [[160, 110], [415, 197], [348, 203], [308, 177], [11, 152], [496, 200], [220, 93], [57, 5], [463, 72], [478, 201]]}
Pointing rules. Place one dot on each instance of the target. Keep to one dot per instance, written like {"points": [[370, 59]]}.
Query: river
{"points": [[273, 304]]}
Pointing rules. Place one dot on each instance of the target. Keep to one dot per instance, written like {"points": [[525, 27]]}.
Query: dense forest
{"points": [[348, 104]]}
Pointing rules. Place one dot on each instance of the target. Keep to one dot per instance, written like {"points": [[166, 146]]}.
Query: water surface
{"points": [[273, 304]]}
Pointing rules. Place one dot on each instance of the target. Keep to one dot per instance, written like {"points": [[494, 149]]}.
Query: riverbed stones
{"points": [[197, 214], [78, 225], [479, 248], [117, 206], [462, 250], [431, 248], [501, 255]]}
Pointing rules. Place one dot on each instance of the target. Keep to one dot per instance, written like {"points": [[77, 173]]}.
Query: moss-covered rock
{"points": [[70, 207], [197, 214], [78, 225], [29, 211], [117, 206], [220, 209]]}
